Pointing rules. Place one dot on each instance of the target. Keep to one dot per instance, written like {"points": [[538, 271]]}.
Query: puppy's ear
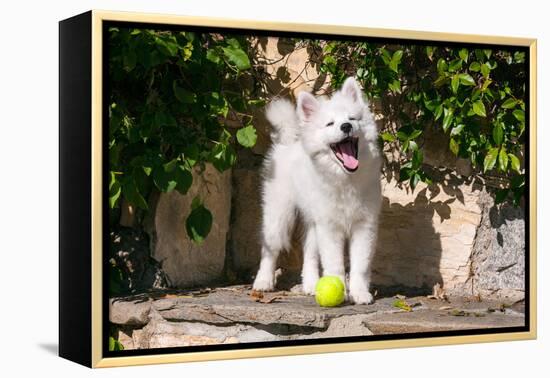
{"points": [[307, 106], [351, 90]]}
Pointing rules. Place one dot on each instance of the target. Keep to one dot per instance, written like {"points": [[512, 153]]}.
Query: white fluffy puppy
{"points": [[324, 165]]}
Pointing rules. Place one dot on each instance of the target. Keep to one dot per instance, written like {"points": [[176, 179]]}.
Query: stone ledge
{"points": [[232, 315]]}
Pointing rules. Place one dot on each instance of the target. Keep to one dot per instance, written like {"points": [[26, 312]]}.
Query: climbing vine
{"points": [[172, 95], [475, 96]]}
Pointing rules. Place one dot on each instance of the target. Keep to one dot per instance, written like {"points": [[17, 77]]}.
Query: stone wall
{"points": [[186, 264], [448, 233], [426, 237], [498, 255]]}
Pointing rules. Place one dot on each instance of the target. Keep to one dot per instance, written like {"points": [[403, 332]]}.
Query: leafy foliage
{"points": [[115, 345], [474, 96], [171, 94]]}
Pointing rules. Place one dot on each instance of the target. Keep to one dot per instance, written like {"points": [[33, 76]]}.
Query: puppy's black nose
{"points": [[346, 127]]}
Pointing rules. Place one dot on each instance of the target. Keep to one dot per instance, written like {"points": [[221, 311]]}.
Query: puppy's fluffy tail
{"points": [[282, 115]]}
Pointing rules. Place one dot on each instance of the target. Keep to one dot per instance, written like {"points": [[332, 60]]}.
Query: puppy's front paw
{"points": [[361, 297], [359, 290], [264, 283], [308, 286]]}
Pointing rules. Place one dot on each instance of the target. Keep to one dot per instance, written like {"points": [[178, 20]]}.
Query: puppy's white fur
{"points": [[303, 175]]}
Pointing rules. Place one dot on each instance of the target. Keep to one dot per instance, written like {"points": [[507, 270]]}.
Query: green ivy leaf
{"points": [[147, 170], [442, 66], [387, 137], [111, 343], [457, 130], [401, 304], [430, 52], [237, 56], [415, 134], [486, 84], [218, 104], [187, 51], [119, 346], [417, 159], [519, 57], [405, 172], [466, 79], [115, 190], [191, 154], [183, 178], [453, 146], [223, 157], [164, 181], [171, 165], [129, 60], [415, 179], [259, 102], [167, 46], [514, 163], [490, 159], [503, 160], [132, 194], [519, 115], [198, 223], [213, 56], [475, 66], [463, 54], [455, 82], [402, 135], [479, 108], [438, 112], [395, 60], [247, 136], [485, 70], [447, 119], [431, 105], [395, 86], [397, 55], [190, 36], [183, 95], [330, 62], [498, 133], [455, 65], [509, 103]]}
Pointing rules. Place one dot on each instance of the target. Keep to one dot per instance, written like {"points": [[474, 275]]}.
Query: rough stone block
{"points": [[498, 256], [185, 263]]}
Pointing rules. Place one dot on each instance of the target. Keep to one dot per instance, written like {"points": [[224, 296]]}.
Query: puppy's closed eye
{"points": [[331, 123], [357, 118]]}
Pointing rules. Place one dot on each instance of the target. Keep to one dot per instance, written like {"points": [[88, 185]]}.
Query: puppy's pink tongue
{"points": [[348, 156]]}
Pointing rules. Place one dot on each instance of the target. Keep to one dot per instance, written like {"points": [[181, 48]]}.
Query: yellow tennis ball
{"points": [[330, 291]]}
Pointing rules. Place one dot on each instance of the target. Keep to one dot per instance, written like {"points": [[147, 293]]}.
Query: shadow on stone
{"points": [[285, 46], [137, 270], [501, 214], [407, 260]]}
